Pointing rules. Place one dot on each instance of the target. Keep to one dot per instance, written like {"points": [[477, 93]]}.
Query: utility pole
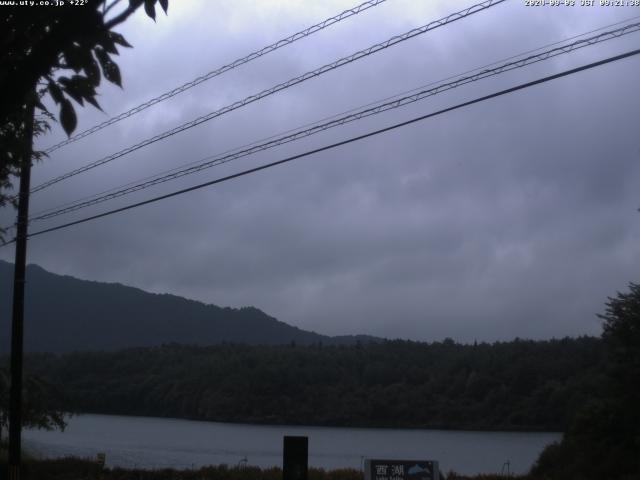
{"points": [[17, 319]]}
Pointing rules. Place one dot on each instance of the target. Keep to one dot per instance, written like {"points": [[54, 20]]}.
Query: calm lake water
{"points": [[157, 442]]}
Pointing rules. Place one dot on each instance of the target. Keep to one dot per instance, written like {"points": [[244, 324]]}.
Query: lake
{"points": [[144, 442]]}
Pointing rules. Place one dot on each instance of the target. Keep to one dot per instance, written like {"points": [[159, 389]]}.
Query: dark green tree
{"points": [[392, 384], [63, 52], [603, 440], [42, 404]]}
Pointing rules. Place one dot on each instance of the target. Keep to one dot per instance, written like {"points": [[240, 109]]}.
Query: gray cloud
{"points": [[516, 217]]}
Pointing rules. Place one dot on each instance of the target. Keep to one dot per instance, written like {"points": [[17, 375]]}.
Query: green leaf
{"points": [[71, 89], [92, 71], [102, 56], [112, 73], [41, 106], [108, 43], [55, 92], [119, 39], [90, 66], [73, 57], [149, 7], [82, 87], [109, 68], [68, 117], [92, 100], [165, 5]]}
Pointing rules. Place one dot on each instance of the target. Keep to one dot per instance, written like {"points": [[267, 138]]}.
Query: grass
{"points": [[72, 468]]}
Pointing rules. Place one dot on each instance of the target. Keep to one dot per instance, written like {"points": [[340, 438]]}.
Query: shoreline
{"points": [[152, 443], [257, 423]]}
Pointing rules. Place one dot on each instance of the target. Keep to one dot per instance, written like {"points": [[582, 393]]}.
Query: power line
{"points": [[219, 71], [212, 161], [289, 83], [217, 160], [568, 39], [343, 142], [334, 116]]}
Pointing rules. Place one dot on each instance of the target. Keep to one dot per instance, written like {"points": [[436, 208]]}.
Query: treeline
{"points": [[518, 385]]}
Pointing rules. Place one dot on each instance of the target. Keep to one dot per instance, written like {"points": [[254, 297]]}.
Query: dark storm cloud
{"points": [[511, 218]]}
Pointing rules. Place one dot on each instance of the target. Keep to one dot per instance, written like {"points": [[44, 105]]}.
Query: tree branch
{"points": [[109, 7], [117, 20]]}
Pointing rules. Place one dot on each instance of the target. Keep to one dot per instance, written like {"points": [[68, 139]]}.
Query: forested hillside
{"points": [[513, 385], [65, 314]]}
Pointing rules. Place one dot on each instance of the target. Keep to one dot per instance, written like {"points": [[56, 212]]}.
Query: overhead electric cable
{"points": [[506, 91], [289, 83], [336, 115], [521, 54], [219, 71], [212, 161]]}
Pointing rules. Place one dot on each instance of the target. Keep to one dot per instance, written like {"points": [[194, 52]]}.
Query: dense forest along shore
{"points": [[505, 386]]}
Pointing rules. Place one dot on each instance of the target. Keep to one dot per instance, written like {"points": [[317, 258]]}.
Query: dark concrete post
{"points": [[295, 458]]}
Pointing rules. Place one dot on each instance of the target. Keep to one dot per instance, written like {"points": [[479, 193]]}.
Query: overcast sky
{"points": [[514, 217]]}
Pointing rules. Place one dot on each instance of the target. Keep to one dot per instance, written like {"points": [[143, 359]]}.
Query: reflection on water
{"points": [[155, 443]]}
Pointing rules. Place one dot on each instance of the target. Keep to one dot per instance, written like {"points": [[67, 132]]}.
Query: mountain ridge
{"points": [[64, 314]]}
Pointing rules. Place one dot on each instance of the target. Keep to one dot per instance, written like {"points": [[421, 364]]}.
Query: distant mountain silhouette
{"points": [[64, 314]]}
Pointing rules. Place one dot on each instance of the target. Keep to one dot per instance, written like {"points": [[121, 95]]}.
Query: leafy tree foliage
{"points": [[519, 385], [603, 441], [12, 132], [41, 406], [61, 52]]}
